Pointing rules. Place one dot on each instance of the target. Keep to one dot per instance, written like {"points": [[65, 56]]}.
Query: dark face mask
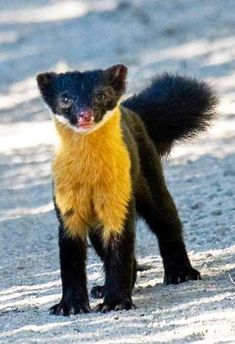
{"points": [[82, 101]]}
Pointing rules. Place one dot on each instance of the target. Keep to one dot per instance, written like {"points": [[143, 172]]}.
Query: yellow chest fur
{"points": [[92, 178]]}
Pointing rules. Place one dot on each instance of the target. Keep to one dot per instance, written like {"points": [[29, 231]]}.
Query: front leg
{"points": [[72, 262], [120, 267]]}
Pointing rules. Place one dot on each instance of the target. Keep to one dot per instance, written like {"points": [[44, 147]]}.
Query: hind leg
{"points": [[97, 243], [158, 209], [97, 291]]}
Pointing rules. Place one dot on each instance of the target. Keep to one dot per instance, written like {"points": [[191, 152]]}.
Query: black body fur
{"points": [[171, 108]]}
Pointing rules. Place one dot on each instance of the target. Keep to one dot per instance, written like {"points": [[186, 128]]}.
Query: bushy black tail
{"points": [[173, 108]]}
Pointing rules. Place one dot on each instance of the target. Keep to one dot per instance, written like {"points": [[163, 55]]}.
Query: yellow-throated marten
{"points": [[107, 169]]}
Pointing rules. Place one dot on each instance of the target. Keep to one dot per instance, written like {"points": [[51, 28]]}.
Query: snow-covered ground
{"points": [[192, 37]]}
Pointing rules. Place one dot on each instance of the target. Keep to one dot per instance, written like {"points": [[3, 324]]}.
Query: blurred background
{"points": [[189, 37], [193, 37]]}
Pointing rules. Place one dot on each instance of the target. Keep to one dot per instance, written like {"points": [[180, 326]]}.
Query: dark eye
{"points": [[101, 96], [65, 102]]}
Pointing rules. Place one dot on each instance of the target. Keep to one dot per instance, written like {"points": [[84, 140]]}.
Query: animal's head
{"points": [[83, 101]]}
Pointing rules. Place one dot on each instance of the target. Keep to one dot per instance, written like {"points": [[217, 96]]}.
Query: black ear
{"points": [[46, 86], [45, 80], [116, 77]]}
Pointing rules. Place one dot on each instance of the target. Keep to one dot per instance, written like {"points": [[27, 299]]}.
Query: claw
{"points": [[105, 307], [181, 274], [66, 309]]}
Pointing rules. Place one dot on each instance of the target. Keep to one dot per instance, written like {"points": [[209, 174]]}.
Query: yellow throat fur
{"points": [[92, 182]]}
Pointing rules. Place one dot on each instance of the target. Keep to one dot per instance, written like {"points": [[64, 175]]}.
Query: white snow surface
{"points": [[189, 37]]}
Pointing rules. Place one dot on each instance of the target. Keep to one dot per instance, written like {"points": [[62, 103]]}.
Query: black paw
{"points": [[181, 274], [115, 306], [97, 292], [70, 307]]}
